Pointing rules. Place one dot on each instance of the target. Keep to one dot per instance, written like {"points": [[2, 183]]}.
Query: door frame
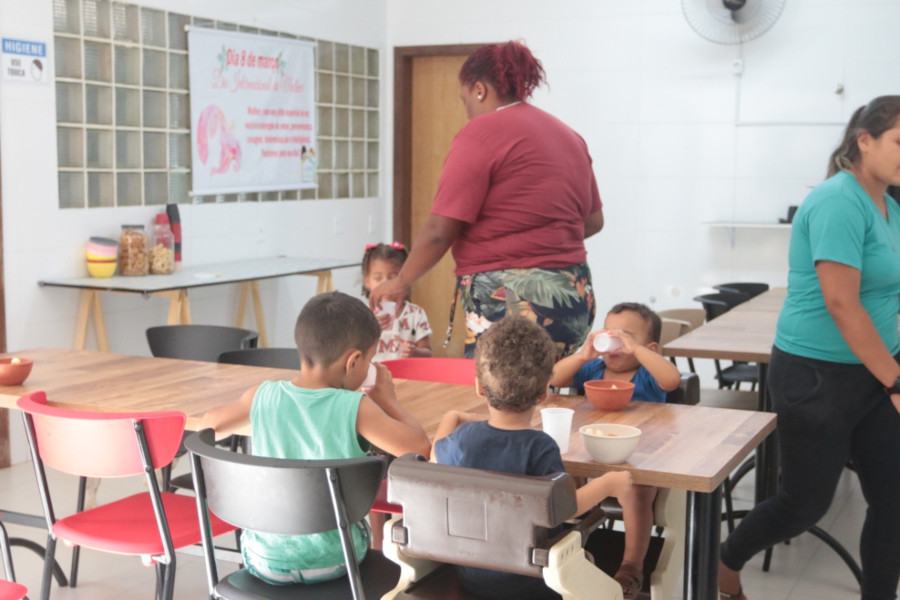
{"points": [[4, 413], [403, 89]]}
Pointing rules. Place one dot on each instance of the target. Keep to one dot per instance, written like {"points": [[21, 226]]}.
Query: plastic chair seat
{"points": [[10, 590], [128, 525], [378, 575]]}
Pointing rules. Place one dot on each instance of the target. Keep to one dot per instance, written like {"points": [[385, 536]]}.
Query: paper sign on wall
{"points": [[25, 61], [252, 112]]}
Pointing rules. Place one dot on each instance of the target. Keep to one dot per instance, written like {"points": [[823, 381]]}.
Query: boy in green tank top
{"points": [[319, 414]]}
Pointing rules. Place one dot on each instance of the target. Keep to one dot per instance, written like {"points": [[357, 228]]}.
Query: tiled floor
{"points": [[804, 570]]}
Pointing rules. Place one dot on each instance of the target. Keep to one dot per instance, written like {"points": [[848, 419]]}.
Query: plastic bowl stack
{"points": [[102, 255]]}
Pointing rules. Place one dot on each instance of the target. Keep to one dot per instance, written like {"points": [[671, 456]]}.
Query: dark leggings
{"points": [[829, 413]]}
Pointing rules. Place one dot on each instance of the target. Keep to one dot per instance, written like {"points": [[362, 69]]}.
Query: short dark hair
{"points": [[514, 361], [651, 319], [332, 323]]}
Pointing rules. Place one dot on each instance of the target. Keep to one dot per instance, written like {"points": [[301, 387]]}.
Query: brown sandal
{"points": [[726, 596], [631, 579]]}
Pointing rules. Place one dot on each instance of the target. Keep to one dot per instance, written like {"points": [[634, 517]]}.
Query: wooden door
{"points": [[427, 116]]}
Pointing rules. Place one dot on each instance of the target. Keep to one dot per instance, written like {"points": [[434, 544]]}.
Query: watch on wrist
{"points": [[894, 389]]}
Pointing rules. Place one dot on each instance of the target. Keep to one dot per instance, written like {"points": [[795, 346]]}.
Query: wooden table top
{"points": [[250, 269], [684, 447], [746, 332]]}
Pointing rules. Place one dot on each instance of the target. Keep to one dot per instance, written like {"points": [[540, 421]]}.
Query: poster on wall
{"points": [[24, 61], [252, 112]]}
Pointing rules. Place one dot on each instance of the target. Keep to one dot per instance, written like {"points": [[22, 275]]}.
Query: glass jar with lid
{"points": [[133, 251], [162, 254]]}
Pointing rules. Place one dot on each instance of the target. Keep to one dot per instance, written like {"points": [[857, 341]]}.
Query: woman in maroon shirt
{"points": [[516, 199]]}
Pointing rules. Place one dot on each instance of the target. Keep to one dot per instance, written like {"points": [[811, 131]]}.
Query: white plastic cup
{"points": [[603, 342], [389, 307], [557, 423], [372, 374]]}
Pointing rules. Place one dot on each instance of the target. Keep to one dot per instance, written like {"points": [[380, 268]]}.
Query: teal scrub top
{"points": [[839, 222]]}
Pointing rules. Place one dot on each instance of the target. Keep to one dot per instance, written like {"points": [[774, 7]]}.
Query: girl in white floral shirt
{"points": [[404, 329]]}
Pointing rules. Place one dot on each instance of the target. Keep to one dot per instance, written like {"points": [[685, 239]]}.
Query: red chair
{"points": [[459, 371], [9, 589], [149, 524]]}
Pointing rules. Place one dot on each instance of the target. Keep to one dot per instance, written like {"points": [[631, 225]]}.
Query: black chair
{"points": [[752, 289], [716, 305], [289, 497], [198, 342], [278, 358]]}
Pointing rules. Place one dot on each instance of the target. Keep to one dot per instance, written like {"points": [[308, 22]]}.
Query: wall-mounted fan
{"points": [[731, 21]]}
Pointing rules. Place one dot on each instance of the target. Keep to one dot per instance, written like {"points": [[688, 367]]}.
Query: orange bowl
{"points": [[14, 373], [607, 394]]}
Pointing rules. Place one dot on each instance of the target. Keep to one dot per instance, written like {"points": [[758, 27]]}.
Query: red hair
{"points": [[510, 68]]}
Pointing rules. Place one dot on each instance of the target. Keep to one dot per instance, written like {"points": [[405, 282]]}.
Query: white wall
{"points": [[42, 241], [677, 138]]}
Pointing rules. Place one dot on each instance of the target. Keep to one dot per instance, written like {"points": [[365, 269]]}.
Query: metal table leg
{"points": [[701, 545]]}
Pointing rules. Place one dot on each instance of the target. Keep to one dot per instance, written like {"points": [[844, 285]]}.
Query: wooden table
{"points": [[176, 285], [690, 448]]}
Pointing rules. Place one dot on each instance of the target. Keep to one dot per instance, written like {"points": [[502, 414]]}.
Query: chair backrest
{"points": [[687, 392], [99, 444], [459, 371], [281, 496], [694, 316], [720, 303], [745, 287], [672, 329], [473, 517], [278, 358], [198, 342]]}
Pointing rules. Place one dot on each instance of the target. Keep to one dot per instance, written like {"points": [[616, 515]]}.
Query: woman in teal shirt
{"points": [[834, 376]]}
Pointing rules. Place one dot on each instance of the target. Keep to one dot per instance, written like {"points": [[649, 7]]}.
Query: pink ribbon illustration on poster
{"points": [[252, 100]]}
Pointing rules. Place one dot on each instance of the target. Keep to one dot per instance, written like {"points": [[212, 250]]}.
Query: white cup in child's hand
{"points": [[388, 307], [371, 376], [603, 342], [557, 423]]}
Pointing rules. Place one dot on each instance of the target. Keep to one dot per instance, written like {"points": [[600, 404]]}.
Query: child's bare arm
{"points": [[396, 432], [564, 370], [453, 419], [231, 417], [661, 368], [608, 485]]}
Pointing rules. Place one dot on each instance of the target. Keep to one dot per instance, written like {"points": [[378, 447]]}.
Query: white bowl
{"points": [[609, 442]]}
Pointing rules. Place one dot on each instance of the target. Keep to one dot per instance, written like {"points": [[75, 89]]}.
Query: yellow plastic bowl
{"points": [[101, 269]]}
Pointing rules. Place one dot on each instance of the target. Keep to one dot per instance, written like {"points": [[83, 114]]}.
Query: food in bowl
{"points": [[609, 442], [14, 370], [609, 395]]}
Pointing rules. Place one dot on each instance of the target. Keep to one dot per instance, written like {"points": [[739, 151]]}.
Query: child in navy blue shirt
{"points": [[638, 360], [513, 363]]}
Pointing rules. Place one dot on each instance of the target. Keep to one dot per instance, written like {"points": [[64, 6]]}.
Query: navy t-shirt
{"points": [[522, 452]]}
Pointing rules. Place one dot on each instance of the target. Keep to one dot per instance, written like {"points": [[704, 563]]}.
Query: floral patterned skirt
{"points": [[559, 300]]}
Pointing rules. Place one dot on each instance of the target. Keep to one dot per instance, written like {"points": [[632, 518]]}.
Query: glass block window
{"points": [[123, 118]]}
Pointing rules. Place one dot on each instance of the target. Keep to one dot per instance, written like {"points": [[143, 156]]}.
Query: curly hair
{"points": [[514, 359], [510, 68]]}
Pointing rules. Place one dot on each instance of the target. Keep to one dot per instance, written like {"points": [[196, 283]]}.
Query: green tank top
{"points": [[292, 422]]}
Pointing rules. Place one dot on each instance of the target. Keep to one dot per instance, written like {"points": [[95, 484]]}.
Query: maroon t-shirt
{"points": [[522, 181]]}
